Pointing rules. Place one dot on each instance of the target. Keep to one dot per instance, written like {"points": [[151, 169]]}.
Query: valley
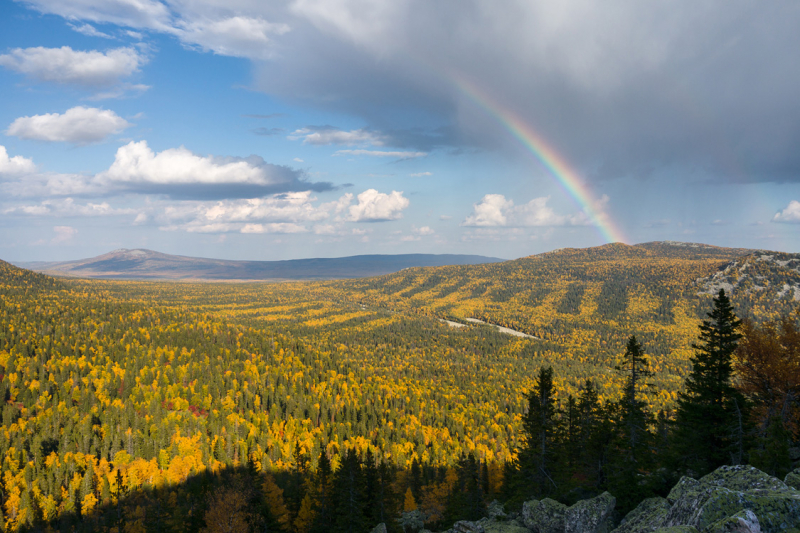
{"points": [[157, 381]]}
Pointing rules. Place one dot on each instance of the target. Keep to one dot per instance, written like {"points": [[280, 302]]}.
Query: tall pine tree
{"points": [[634, 442], [711, 412], [536, 461]]}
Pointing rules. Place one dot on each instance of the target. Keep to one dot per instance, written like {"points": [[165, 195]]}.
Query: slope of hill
{"points": [[147, 264], [587, 302], [156, 380]]}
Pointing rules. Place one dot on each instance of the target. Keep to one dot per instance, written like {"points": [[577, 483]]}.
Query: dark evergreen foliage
{"points": [[711, 414]]}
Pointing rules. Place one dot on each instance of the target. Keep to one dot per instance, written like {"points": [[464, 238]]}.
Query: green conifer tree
{"points": [[710, 413], [349, 495], [634, 442], [538, 456]]}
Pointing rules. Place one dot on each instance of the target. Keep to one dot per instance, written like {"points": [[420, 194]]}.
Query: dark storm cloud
{"points": [[619, 88]]}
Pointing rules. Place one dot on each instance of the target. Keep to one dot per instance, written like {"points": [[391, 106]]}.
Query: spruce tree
{"points": [[710, 413], [349, 498], [634, 442], [537, 459], [324, 498], [594, 434]]}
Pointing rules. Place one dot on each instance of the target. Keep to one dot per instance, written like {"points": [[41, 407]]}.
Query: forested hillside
{"points": [[117, 386]]}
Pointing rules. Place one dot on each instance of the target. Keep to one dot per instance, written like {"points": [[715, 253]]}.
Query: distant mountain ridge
{"points": [[143, 264]]}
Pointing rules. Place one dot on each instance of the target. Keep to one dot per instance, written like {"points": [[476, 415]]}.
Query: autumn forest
{"points": [[338, 405]]}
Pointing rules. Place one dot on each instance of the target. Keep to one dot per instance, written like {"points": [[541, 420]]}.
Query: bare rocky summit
{"points": [[732, 499]]}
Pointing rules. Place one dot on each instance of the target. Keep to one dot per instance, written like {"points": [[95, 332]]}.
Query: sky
{"points": [[288, 129]]}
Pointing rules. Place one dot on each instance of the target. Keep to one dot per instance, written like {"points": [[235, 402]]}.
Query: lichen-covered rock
{"points": [[411, 520], [463, 526], [511, 526], [742, 522], [495, 510], [681, 487], [590, 516], [648, 516], [380, 528], [677, 529], [545, 516], [792, 479], [729, 490], [741, 478]]}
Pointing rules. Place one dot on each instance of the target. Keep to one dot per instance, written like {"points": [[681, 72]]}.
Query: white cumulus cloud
{"points": [[790, 215], [497, 210], [374, 206], [180, 172], [136, 162], [175, 172], [14, 165], [65, 65], [490, 211], [79, 125], [237, 36]]}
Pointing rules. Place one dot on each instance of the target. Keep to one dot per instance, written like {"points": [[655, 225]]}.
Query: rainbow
{"points": [[556, 165]]}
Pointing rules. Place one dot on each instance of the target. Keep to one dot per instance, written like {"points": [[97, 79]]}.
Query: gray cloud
{"points": [[619, 88]]}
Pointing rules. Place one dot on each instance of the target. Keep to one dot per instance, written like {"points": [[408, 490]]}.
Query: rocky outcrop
{"points": [[739, 499], [742, 522], [732, 499], [792, 479], [464, 526], [495, 510], [648, 516], [544, 516], [380, 528], [586, 516], [590, 516], [708, 503], [511, 526]]}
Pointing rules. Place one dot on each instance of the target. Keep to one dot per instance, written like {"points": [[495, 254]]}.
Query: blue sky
{"points": [[311, 128]]}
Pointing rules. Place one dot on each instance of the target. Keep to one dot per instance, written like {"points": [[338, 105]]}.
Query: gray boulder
{"points": [[742, 522], [647, 517], [742, 477], [729, 490], [512, 526], [792, 479], [411, 520], [545, 516], [495, 510], [684, 485], [590, 516], [380, 528], [463, 526], [677, 529]]}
